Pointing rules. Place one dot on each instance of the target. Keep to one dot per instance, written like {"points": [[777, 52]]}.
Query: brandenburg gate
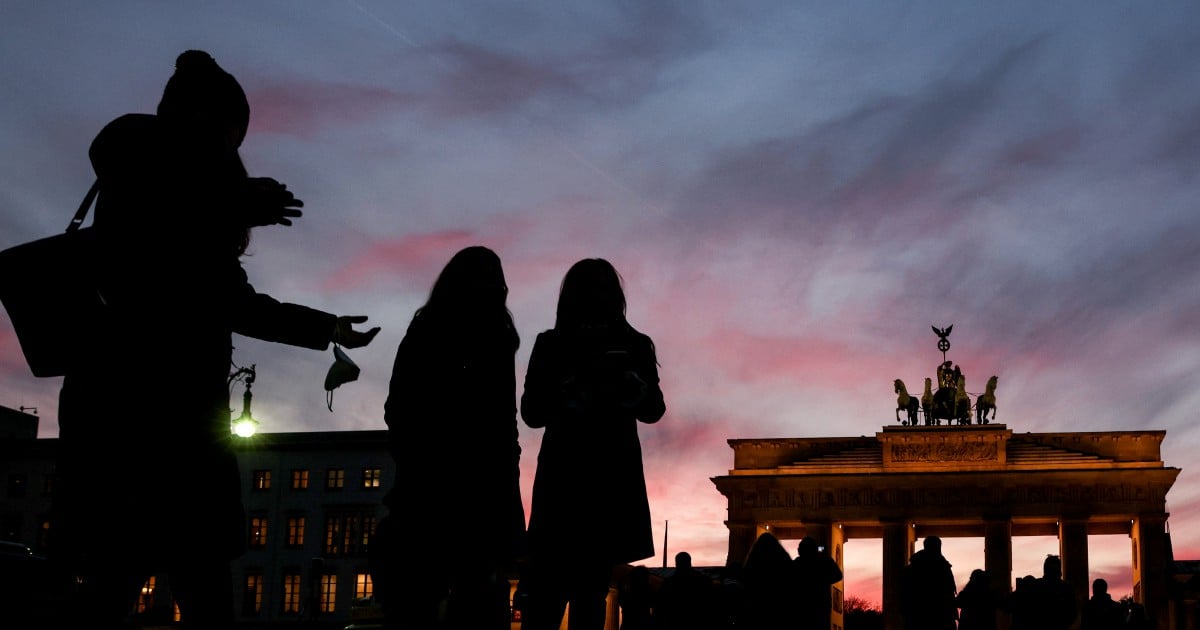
{"points": [[975, 480]]}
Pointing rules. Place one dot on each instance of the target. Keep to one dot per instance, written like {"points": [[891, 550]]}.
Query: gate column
{"points": [[1073, 549], [997, 561], [897, 547], [1150, 568], [741, 538]]}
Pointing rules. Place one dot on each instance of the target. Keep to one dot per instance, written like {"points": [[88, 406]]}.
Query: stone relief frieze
{"points": [[946, 452]]}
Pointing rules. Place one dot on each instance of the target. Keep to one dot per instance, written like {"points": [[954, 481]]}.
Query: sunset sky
{"points": [[794, 192]]}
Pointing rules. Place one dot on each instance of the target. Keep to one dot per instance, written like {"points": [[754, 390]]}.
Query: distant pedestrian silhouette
{"points": [[1054, 599], [637, 600], [1102, 612], [770, 585], [687, 600], [929, 589], [590, 380], [147, 481], [1022, 605], [451, 414], [816, 573], [977, 603]]}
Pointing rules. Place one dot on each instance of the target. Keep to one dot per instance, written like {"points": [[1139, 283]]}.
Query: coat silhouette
{"points": [[769, 580], [977, 604], [1102, 612], [146, 477], [688, 599], [451, 414], [929, 589], [637, 599], [589, 383], [816, 573]]}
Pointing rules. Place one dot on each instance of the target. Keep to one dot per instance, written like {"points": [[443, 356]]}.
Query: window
{"points": [[299, 479], [48, 485], [328, 592], [348, 532], [252, 594], [366, 532], [258, 532], [18, 484], [291, 592], [295, 531], [145, 600], [372, 478], [335, 531], [262, 480], [362, 586], [335, 479]]}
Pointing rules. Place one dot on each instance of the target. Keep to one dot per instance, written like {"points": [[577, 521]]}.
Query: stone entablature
{"points": [[972, 447]]}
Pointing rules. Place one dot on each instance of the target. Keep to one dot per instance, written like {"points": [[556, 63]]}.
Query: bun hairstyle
{"points": [[200, 92]]}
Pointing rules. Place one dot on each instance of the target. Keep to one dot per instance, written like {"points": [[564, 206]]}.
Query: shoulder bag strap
{"points": [[86, 205]]}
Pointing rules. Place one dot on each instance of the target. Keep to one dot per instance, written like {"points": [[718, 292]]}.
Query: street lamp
{"points": [[244, 425]]}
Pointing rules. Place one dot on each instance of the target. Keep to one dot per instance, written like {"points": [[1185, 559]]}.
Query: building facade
{"points": [[313, 501]]}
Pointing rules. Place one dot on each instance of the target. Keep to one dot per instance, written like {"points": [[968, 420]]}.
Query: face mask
{"points": [[341, 372]]}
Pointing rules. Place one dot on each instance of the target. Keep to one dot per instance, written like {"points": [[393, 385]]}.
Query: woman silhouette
{"points": [[590, 380], [452, 415]]}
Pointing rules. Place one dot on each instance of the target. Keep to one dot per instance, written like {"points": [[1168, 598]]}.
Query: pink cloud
{"points": [[413, 255]]}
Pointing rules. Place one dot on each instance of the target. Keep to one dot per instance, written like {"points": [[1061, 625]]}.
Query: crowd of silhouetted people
{"points": [[771, 591]]}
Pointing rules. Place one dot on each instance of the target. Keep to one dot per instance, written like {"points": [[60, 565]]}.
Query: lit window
{"points": [[291, 593], [299, 479], [334, 527], [295, 531], [372, 477], [145, 600], [335, 479], [328, 592], [258, 531], [348, 532], [367, 532], [262, 480], [252, 594], [362, 586]]}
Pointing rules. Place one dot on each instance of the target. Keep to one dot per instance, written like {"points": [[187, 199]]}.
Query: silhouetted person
{"points": [[929, 589], [977, 603], [147, 481], [1054, 599], [1022, 604], [770, 586], [816, 573], [637, 600], [1102, 612], [687, 600], [453, 386], [590, 380]]}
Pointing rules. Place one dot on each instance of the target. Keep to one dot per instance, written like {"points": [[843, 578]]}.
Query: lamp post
{"points": [[244, 425]]}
